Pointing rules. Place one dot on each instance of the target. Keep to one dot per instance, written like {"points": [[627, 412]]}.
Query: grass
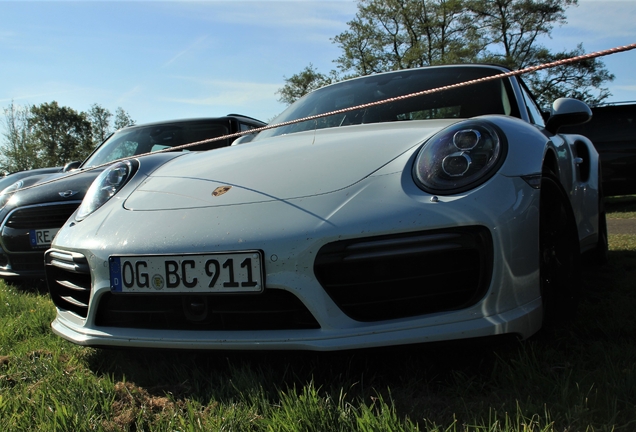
{"points": [[580, 377], [621, 207]]}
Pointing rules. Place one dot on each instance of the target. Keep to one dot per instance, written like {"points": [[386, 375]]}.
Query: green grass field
{"points": [[581, 377]]}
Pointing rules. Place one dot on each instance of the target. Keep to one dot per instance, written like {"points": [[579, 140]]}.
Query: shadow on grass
{"points": [[29, 285], [441, 380], [194, 374]]}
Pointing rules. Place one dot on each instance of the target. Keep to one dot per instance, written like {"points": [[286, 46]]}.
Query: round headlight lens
{"points": [[105, 186], [8, 192], [460, 158]]}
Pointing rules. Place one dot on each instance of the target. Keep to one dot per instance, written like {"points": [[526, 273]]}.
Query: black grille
{"points": [[69, 281], [27, 262], [271, 310], [389, 277], [49, 216]]}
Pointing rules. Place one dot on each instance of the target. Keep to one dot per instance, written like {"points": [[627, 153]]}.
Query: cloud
{"points": [[232, 93], [607, 18], [325, 16], [629, 88], [193, 46]]}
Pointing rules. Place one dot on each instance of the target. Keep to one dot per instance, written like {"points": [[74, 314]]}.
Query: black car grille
{"points": [[27, 263], [271, 310], [46, 216], [397, 276], [69, 280]]}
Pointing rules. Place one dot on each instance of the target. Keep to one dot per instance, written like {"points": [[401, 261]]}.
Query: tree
{"points": [[302, 83], [49, 135], [62, 134], [399, 34], [19, 150], [100, 123], [122, 119], [511, 29]]}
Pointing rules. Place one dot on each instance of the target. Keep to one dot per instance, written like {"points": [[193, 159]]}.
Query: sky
{"points": [[163, 60]]}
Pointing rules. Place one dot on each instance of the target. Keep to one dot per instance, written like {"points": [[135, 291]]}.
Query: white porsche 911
{"points": [[456, 214]]}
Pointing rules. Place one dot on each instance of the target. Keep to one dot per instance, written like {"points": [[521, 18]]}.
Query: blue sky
{"points": [[162, 60]]}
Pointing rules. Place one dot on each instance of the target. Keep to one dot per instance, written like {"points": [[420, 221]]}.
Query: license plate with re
{"points": [[42, 237]]}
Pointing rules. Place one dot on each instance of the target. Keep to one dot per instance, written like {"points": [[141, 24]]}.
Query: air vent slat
{"points": [[74, 302], [71, 285]]}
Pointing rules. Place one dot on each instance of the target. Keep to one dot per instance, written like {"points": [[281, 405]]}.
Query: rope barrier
{"points": [[362, 106]]}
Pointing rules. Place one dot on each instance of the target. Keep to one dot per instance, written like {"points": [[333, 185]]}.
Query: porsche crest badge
{"points": [[221, 190]]}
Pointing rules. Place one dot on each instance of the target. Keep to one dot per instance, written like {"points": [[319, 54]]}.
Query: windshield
{"points": [[144, 139], [491, 97]]}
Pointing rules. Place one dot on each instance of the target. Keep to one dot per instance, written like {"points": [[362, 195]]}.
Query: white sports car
{"points": [[456, 214]]}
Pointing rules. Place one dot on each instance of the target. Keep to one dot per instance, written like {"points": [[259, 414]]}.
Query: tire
{"points": [[600, 254], [560, 259]]}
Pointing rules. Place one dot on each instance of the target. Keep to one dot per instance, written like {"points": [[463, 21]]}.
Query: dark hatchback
{"points": [[13, 178], [31, 217], [612, 130]]}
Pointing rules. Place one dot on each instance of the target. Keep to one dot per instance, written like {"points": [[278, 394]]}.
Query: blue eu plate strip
{"points": [[115, 274]]}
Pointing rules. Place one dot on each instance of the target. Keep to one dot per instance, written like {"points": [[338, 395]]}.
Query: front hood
{"points": [[66, 187], [280, 168]]}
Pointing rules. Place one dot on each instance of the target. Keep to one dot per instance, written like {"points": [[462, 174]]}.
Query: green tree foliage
{"points": [[63, 135], [19, 150], [50, 135], [100, 119], [302, 83], [582, 80], [399, 34], [510, 28], [100, 123], [122, 119]]}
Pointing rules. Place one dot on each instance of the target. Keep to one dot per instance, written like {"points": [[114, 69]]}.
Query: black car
{"points": [[13, 178], [612, 130], [31, 217]]}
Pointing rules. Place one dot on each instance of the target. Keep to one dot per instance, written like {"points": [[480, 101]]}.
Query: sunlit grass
{"points": [[621, 207]]}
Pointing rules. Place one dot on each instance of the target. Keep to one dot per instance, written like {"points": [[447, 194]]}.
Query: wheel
{"points": [[559, 253], [600, 253]]}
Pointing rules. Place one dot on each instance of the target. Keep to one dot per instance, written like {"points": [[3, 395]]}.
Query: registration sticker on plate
{"points": [[232, 272], [42, 237]]}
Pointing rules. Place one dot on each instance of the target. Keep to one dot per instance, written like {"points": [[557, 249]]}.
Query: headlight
{"points": [[460, 158], [8, 192], [105, 186]]}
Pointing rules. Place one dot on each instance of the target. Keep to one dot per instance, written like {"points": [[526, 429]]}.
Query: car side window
{"points": [[533, 110]]}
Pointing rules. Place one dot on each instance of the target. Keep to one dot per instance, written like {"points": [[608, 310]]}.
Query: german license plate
{"points": [[42, 237], [234, 272]]}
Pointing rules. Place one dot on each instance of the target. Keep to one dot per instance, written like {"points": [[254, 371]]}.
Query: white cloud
{"points": [[606, 18], [233, 93], [193, 46], [323, 15]]}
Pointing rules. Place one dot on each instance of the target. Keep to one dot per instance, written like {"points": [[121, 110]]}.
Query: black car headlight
{"points": [[105, 186], [8, 192], [460, 157]]}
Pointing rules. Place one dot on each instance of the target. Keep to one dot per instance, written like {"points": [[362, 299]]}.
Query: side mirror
{"points": [[568, 112], [71, 166]]}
